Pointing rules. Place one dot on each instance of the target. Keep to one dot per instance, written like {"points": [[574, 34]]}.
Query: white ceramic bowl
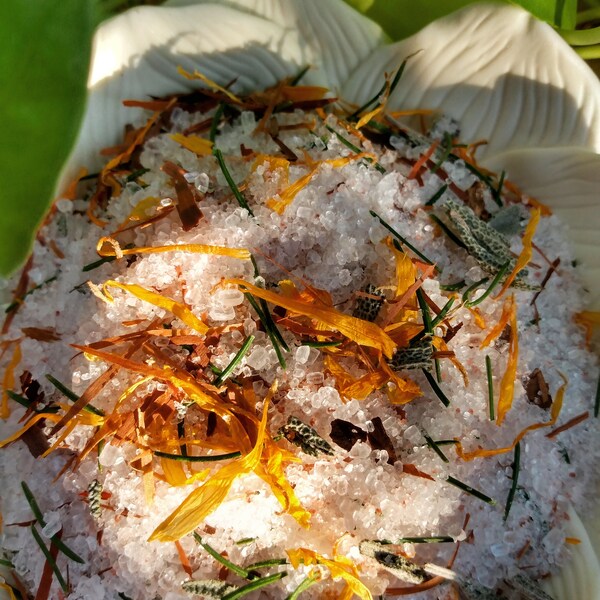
{"points": [[505, 76]]}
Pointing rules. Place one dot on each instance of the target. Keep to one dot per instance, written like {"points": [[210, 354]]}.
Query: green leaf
{"points": [[44, 57]]}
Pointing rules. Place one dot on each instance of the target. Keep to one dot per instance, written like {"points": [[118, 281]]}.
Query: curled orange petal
{"points": [[199, 146], [105, 244], [362, 332], [179, 309], [526, 252], [507, 385], [206, 498], [554, 413]]}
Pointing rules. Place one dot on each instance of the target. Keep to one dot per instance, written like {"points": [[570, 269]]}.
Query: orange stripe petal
{"points": [[362, 332], [205, 499], [103, 250], [526, 252], [554, 413], [181, 311], [199, 146], [502, 323], [507, 385]]}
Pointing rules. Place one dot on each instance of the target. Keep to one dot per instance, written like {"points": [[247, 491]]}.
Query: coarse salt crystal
{"points": [[302, 354]]}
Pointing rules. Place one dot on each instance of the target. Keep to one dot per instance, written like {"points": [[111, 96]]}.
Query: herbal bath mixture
{"points": [[284, 345]]}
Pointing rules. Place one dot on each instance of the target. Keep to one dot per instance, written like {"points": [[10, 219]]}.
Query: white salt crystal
{"points": [[190, 176], [222, 313], [247, 121], [110, 456], [64, 206], [259, 358], [202, 183], [302, 354], [53, 524], [315, 378], [230, 297], [305, 212], [360, 450]]}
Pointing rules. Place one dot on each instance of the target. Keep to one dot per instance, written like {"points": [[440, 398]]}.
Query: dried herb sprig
{"points": [[434, 539], [490, 383], [453, 287], [309, 580], [71, 395], [516, 466], [267, 312], [402, 239], [467, 488], [354, 148], [498, 277], [265, 564], [40, 542], [18, 301], [26, 403], [234, 188], [437, 195], [449, 233], [37, 513], [254, 585], [226, 372], [442, 314], [270, 331], [431, 443], [188, 458], [312, 344], [224, 561], [216, 120], [375, 98], [105, 259], [436, 388]]}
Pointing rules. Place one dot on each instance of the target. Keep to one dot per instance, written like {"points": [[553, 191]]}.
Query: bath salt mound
{"points": [[326, 238]]}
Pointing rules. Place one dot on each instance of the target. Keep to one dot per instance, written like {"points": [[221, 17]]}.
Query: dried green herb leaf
{"points": [[209, 588], [95, 497], [301, 434], [367, 308], [416, 356], [398, 565]]}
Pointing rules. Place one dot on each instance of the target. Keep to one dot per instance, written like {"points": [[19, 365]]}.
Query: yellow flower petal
{"points": [[526, 252], [507, 385], [106, 247], [554, 413], [205, 499], [288, 195], [502, 323], [199, 146], [271, 471], [339, 567], [177, 308], [209, 82], [362, 332]]}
